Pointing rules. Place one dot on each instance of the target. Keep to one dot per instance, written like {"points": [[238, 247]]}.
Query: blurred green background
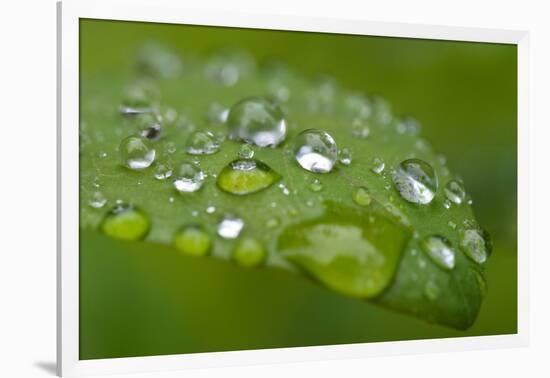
{"points": [[464, 96]]}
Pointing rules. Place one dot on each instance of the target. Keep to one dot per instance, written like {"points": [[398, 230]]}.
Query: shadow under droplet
{"points": [[48, 367]]}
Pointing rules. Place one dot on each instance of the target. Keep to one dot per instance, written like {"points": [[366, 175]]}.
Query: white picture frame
{"points": [[69, 13]]}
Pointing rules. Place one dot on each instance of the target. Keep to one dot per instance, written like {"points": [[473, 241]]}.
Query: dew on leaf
{"points": [[162, 171], [378, 165], [158, 61], [454, 191], [431, 290], [475, 244], [361, 196], [230, 226], [315, 185], [188, 178], [210, 209], [246, 176], [415, 180], [360, 128], [202, 143], [193, 240], [439, 250], [125, 222], [257, 121], [227, 67], [315, 151], [344, 156], [136, 153], [217, 113], [246, 151], [139, 97], [249, 252], [97, 200], [407, 125]]}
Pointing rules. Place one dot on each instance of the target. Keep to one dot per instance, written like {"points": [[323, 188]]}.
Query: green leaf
{"points": [[349, 229]]}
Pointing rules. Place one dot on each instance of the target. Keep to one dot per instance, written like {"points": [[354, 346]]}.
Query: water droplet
{"points": [[202, 143], [475, 244], [315, 150], [189, 178], [452, 225], [416, 182], [447, 204], [345, 156], [217, 113], [97, 200], [158, 61], [249, 253], [125, 222], [358, 106], [315, 185], [284, 189], [378, 166], [193, 240], [103, 154], [344, 252], [136, 153], [246, 151], [228, 67], [171, 199], [278, 91], [272, 223], [439, 250], [408, 125], [151, 133], [230, 226], [162, 171], [431, 290], [257, 121], [360, 128], [245, 176], [140, 97], [170, 148], [210, 209], [361, 196], [454, 191]]}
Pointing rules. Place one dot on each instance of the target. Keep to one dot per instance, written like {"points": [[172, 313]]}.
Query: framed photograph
{"points": [[240, 189]]}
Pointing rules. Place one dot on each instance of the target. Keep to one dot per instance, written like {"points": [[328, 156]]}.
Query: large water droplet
{"points": [[315, 150], [439, 250], [249, 253], [230, 226], [454, 191], [475, 244], [136, 153], [189, 178], [202, 143], [125, 222], [257, 121], [416, 182], [193, 240], [361, 196], [245, 176], [346, 253]]}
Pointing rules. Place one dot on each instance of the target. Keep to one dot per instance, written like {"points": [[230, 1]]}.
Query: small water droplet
{"points": [[246, 151], [360, 128], [447, 204], [189, 178], [125, 222], [136, 153], [257, 121], [202, 143], [315, 150], [452, 225], [378, 166], [272, 223], [158, 61], [152, 133], [407, 125], [345, 156], [193, 240], [217, 113], [439, 250], [97, 200], [139, 97], [162, 171], [230, 226], [470, 201], [416, 182], [249, 253], [171, 199], [170, 148], [284, 189], [315, 185], [475, 244], [246, 176], [210, 209], [228, 67], [103, 154], [361, 196], [358, 106], [431, 290], [454, 191]]}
